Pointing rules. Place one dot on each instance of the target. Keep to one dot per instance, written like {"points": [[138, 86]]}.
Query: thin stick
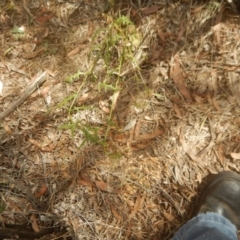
{"points": [[25, 95]]}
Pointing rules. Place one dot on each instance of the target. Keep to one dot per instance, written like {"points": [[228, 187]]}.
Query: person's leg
{"points": [[209, 226], [218, 212]]}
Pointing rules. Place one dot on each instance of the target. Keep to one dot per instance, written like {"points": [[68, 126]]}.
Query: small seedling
{"points": [[115, 51]]}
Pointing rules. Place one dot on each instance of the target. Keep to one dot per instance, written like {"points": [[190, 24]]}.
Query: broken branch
{"points": [[26, 94]]}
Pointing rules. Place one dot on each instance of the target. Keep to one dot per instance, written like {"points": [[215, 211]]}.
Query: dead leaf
{"points": [[217, 30], [196, 9], [214, 82], [7, 128], [33, 54], [181, 31], [41, 191], [128, 231], [218, 26], [113, 209], [209, 98], [212, 142], [14, 68], [215, 104], [158, 224], [50, 72], [45, 91], [237, 121], [136, 207], [106, 188], [120, 138], [149, 135], [76, 50], [130, 125], [34, 142], [189, 151], [83, 98], [73, 52], [90, 28], [177, 110], [150, 10], [34, 223], [1, 88], [197, 98], [168, 216], [114, 99], [104, 106], [235, 156], [13, 206], [177, 76], [230, 68], [161, 36], [44, 16], [115, 213], [45, 33], [202, 55], [155, 55], [142, 145], [130, 138], [234, 84], [84, 182], [221, 154], [102, 186], [212, 101], [178, 175], [137, 129], [45, 147]]}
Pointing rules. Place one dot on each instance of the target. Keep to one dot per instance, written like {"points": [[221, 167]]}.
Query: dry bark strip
{"points": [[212, 142], [234, 85], [26, 94], [176, 74]]}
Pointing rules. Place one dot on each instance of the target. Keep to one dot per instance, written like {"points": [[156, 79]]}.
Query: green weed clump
{"points": [[114, 45]]}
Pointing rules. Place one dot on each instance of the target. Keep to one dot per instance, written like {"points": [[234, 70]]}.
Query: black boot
{"points": [[235, 5], [222, 195]]}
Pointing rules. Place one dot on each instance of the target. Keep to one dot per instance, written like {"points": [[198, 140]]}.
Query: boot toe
{"points": [[222, 196]]}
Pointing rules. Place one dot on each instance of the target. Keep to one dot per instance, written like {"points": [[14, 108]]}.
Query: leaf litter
{"points": [[174, 120]]}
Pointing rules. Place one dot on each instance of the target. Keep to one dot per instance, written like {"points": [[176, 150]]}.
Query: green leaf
{"points": [[74, 77], [66, 100]]}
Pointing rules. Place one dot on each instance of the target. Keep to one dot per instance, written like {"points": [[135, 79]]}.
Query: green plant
{"points": [[91, 135], [66, 101], [73, 77], [7, 51], [18, 32], [2, 207], [116, 53], [72, 126]]}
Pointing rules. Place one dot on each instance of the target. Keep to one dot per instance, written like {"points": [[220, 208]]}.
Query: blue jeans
{"points": [[207, 226]]}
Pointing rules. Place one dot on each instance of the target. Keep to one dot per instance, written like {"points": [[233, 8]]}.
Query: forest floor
{"points": [[139, 103]]}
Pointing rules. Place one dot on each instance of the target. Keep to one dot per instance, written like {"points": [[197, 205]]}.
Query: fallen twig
{"points": [[26, 94], [212, 142]]}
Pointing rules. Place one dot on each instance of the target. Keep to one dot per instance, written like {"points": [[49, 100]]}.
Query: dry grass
{"points": [[175, 119]]}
